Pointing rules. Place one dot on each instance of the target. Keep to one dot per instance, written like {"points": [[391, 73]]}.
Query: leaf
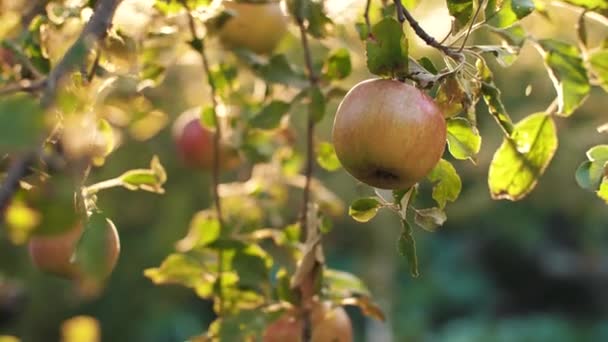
{"points": [[598, 62], [326, 156], [364, 209], [340, 284], [93, 249], [506, 13], [368, 308], [492, 98], [430, 219], [462, 11], [451, 97], [80, 329], [270, 116], [464, 140], [590, 4], [598, 154], [406, 245], [514, 35], [186, 270], [447, 183], [523, 158], [319, 24], [338, 65], [589, 175], [204, 229], [208, 117], [276, 70], [150, 180], [326, 225], [316, 107], [569, 76], [387, 52], [603, 191], [505, 55], [21, 122], [251, 267]]}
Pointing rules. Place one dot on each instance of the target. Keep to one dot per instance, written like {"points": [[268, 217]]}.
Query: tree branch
{"points": [[27, 86], [94, 31], [199, 43], [403, 14]]}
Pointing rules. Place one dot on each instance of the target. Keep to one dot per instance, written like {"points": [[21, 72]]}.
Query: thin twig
{"points": [[466, 37], [309, 168], [403, 14], [216, 143], [19, 169], [366, 17], [26, 86], [94, 31]]}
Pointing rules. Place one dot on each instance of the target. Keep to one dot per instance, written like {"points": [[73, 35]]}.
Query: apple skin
{"points": [[329, 324], [258, 27], [388, 134], [52, 254], [195, 145]]}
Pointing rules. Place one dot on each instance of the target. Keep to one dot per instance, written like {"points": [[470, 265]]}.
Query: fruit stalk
{"points": [[215, 172]]}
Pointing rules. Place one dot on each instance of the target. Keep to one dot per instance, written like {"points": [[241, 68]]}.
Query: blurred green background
{"points": [[534, 270]]}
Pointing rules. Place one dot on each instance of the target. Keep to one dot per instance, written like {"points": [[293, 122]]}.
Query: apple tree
{"points": [[79, 79]]}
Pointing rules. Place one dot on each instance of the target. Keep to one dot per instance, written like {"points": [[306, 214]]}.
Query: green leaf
{"points": [[192, 271], [364, 209], [492, 98], [462, 11], [326, 225], [589, 175], [406, 245], [506, 13], [338, 65], [598, 154], [590, 4], [603, 191], [514, 35], [21, 122], [387, 52], [326, 156], [339, 284], [270, 116], [464, 140], [430, 219], [319, 24], [93, 247], [276, 70], [523, 158], [208, 117], [447, 183], [204, 229], [505, 55], [598, 61], [569, 76], [251, 267], [316, 107]]}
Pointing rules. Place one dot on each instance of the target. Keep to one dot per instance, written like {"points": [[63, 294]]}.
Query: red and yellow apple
{"points": [[195, 144], [328, 324], [388, 134], [256, 26], [54, 253]]}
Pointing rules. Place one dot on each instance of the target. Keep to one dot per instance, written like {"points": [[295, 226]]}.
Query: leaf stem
{"points": [[215, 173]]}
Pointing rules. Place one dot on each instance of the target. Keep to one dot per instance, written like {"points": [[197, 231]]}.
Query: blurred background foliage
{"points": [[534, 270]]}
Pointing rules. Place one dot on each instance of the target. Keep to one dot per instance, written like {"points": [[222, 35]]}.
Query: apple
{"points": [[195, 144], [256, 26], [388, 134], [53, 253], [329, 324]]}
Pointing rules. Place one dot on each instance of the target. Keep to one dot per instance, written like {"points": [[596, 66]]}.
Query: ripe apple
{"points": [[388, 134], [257, 26], [195, 144], [53, 253], [329, 324]]}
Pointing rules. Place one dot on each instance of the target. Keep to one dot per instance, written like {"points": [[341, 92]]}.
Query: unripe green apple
{"points": [[258, 26], [388, 134], [328, 324], [195, 145], [53, 253]]}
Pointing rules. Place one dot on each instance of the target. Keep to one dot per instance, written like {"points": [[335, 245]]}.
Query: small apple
{"points": [[388, 134], [53, 253], [328, 323], [257, 26], [195, 144]]}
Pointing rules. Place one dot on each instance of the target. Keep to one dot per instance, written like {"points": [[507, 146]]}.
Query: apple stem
{"points": [[308, 171], [215, 172], [403, 14]]}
